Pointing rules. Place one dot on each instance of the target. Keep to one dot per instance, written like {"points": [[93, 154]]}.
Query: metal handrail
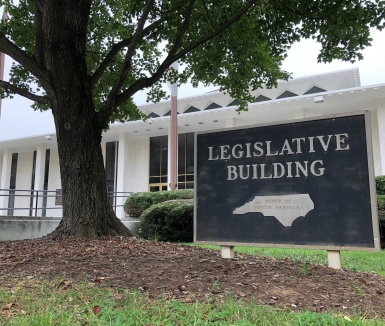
{"points": [[35, 194]]}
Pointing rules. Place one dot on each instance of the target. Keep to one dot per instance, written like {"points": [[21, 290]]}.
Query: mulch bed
{"points": [[186, 273]]}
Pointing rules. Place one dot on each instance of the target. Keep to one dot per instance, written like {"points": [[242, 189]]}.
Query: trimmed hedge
{"points": [[380, 189], [381, 218], [138, 202], [380, 185], [168, 221]]}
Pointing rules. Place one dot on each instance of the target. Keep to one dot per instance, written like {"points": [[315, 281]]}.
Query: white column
{"points": [[122, 182], [103, 145], [5, 179], [39, 177], [169, 160], [381, 134]]}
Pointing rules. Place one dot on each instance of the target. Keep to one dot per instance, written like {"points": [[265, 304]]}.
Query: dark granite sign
{"points": [[305, 183]]}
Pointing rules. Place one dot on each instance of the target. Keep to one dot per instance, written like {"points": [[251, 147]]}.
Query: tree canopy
{"points": [[238, 45]]}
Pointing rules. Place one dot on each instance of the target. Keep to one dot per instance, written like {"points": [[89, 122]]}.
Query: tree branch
{"points": [[208, 14], [24, 93], [27, 61], [147, 82], [131, 42], [118, 46], [109, 105], [183, 30]]}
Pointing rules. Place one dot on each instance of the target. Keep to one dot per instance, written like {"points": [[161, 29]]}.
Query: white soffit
{"points": [[347, 99]]}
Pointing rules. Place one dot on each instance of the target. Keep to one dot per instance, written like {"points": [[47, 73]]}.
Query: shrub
{"points": [[380, 185], [140, 201], [381, 218], [168, 221]]}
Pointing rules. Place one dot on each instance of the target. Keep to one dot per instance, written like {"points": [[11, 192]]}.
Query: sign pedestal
{"points": [[334, 259], [227, 252]]}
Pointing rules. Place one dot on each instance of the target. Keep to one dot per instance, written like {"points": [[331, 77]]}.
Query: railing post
{"points": [[37, 199]]}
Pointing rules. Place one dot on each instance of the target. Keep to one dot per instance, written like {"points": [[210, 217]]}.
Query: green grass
{"points": [[43, 304], [46, 303], [350, 260]]}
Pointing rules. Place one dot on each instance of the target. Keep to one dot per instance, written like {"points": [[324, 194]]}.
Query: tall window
{"points": [[159, 162], [111, 154], [31, 201], [186, 161], [12, 184], [45, 187]]}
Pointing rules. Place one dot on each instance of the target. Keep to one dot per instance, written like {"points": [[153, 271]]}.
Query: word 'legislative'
{"points": [[289, 169]]}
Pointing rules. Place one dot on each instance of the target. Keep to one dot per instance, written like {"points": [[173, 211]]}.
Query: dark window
{"points": [[191, 109], [159, 160], [45, 188], [190, 153], [111, 152], [12, 184], [261, 98], [31, 201], [234, 102], [314, 89], [164, 156], [155, 156], [169, 113], [181, 155], [153, 115], [213, 106], [286, 94]]}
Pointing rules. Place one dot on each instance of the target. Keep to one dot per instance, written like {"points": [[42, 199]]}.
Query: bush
{"points": [[381, 218], [138, 202], [380, 185], [168, 221]]}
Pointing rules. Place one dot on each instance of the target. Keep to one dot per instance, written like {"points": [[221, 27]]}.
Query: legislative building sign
{"points": [[307, 183]]}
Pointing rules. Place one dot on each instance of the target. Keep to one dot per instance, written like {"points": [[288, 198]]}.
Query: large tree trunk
{"points": [[86, 208], [87, 211]]}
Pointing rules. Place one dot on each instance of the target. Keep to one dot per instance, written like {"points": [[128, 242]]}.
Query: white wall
{"points": [[23, 182], [103, 145], [138, 164], [54, 182], [1, 168], [376, 142]]}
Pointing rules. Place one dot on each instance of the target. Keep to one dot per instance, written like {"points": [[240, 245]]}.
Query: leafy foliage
{"points": [[380, 189], [140, 201], [381, 218], [380, 185], [212, 43], [85, 59], [168, 221]]}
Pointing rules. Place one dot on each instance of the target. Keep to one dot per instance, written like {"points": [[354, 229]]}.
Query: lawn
{"points": [[70, 297], [357, 261]]}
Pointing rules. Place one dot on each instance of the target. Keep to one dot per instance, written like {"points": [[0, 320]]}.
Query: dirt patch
{"points": [[186, 273]]}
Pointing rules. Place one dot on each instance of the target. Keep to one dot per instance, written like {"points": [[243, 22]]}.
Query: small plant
{"points": [[168, 221], [216, 285], [357, 290], [304, 264]]}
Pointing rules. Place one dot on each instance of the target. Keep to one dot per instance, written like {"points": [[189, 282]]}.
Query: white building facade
{"points": [[136, 152]]}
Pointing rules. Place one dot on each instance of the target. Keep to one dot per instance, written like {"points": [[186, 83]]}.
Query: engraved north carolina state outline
{"points": [[285, 208]]}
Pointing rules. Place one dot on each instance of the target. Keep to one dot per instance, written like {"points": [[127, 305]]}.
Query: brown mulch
{"points": [[187, 273]]}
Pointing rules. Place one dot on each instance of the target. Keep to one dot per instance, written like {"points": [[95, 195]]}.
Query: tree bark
{"points": [[86, 209]]}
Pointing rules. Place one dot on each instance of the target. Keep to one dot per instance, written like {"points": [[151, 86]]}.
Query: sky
{"points": [[19, 120]]}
